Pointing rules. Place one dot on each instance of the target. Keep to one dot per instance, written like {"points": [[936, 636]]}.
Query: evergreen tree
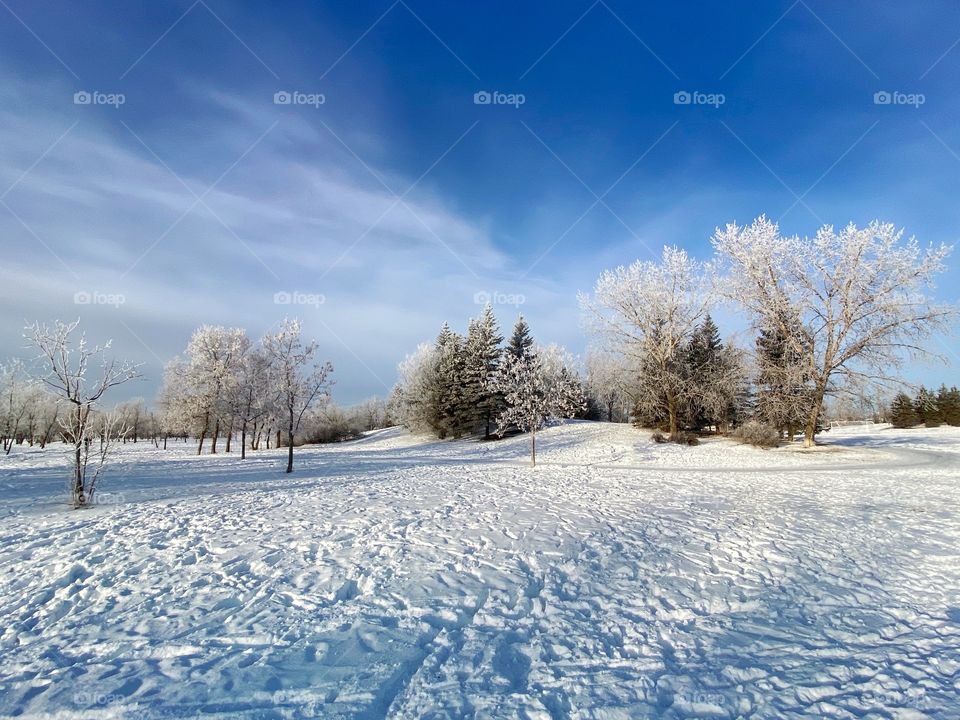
{"points": [[948, 402], [903, 414], [784, 382], [521, 342], [484, 403], [704, 370], [926, 407], [451, 408]]}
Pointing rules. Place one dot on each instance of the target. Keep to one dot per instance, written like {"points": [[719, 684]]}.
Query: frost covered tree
{"points": [[453, 411], [483, 354], [17, 398], [537, 387], [648, 312], [415, 394], [176, 409], [859, 294], [716, 376], [212, 360], [248, 395], [132, 415], [784, 377], [608, 383], [297, 377], [79, 375]]}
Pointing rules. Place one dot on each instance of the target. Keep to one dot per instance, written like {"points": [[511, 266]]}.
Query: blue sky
{"points": [[398, 199]]}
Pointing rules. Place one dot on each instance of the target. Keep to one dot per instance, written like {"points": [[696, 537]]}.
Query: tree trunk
{"points": [[810, 431], [672, 411], [243, 441], [229, 435], [78, 497], [533, 448], [289, 443], [811, 426], [216, 434]]}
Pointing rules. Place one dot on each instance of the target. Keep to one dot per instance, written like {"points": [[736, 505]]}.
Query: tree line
{"points": [[832, 314], [927, 408]]}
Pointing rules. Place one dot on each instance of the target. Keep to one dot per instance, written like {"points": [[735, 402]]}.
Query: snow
{"points": [[406, 577]]}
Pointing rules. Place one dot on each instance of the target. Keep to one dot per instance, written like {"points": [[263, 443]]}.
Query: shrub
{"points": [[758, 434], [685, 438], [680, 438]]}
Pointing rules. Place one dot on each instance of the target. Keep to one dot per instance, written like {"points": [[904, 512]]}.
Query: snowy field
{"points": [[398, 577]]}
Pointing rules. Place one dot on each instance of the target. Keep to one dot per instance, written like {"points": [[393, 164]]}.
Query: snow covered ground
{"points": [[400, 577]]}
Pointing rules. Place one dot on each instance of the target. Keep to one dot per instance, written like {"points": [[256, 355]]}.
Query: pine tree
{"points": [[484, 403], [903, 414], [705, 371], [926, 407], [948, 402], [784, 383], [451, 410], [538, 388], [521, 342]]}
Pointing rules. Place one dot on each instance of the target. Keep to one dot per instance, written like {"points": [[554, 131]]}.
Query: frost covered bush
{"points": [[659, 437], [758, 434]]}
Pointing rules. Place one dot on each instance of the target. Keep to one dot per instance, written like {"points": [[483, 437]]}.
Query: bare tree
{"points": [[79, 375], [297, 378], [647, 312], [858, 294], [16, 399], [609, 382], [248, 395], [213, 357]]}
